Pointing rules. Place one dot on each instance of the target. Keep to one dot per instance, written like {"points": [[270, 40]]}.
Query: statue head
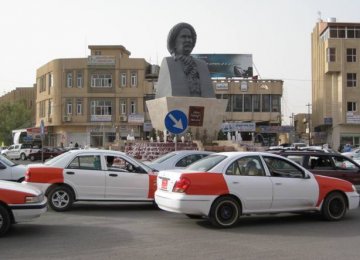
{"points": [[181, 39]]}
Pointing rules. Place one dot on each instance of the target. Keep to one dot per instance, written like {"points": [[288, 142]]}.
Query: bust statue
{"points": [[181, 74]]}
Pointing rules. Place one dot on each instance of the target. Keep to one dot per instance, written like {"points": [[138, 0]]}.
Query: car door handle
{"points": [[235, 182], [278, 183], [70, 173], [113, 175]]}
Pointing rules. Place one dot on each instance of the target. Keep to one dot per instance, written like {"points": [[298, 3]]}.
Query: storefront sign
{"points": [[196, 116], [101, 60], [238, 126], [136, 118]]}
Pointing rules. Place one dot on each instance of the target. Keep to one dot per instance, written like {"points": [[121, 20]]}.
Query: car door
{"points": [[254, 189], [125, 180], [5, 172], [293, 188], [86, 175], [11, 152], [347, 170]]}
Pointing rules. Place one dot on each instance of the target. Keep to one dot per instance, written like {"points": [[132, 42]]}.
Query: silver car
{"points": [[11, 171]]}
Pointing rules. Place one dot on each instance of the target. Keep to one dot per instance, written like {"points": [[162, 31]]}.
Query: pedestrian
{"points": [[76, 145]]}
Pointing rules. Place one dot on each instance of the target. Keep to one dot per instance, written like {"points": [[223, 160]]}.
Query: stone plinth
{"points": [[211, 110]]}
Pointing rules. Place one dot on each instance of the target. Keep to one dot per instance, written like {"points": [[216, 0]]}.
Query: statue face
{"points": [[184, 42]]}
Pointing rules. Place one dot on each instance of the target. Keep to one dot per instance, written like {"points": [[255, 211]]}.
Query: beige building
{"points": [[335, 83], [94, 101], [98, 100]]}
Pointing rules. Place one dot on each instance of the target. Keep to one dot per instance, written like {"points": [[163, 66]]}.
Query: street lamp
{"points": [[308, 119]]}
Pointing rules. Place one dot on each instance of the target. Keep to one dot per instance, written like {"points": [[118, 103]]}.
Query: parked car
{"points": [[20, 151], [19, 203], [224, 186], [177, 159], [326, 163], [11, 171], [46, 153], [92, 175], [352, 153]]}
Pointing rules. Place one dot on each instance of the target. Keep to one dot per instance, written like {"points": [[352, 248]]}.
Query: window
{"points": [[101, 107], [101, 80], [275, 103], [351, 79], [247, 103], [133, 79], [265, 105], [246, 166], [351, 106], [41, 83], [331, 54], [133, 107], [50, 79], [320, 162], [238, 103], [123, 106], [187, 160], [79, 80], [69, 107], [79, 106], [281, 168], [256, 103], [42, 108], [49, 107], [87, 162], [351, 55], [123, 79], [69, 80]]}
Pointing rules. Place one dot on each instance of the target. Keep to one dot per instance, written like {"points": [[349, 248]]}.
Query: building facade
{"points": [[94, 101], [335, 83]]}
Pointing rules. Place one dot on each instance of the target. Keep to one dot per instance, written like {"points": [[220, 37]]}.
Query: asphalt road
{"points": [[125, 231]]}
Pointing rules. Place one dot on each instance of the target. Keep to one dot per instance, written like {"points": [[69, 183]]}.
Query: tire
{"points": [[334, 207], [194, 216], [225, 212], [5, 221], [23, 157], [32, 158], [61, 198]]}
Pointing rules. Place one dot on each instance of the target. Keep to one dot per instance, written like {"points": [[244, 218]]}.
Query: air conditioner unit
{"points": [[123, 118], [49, 119], [67, 118]]}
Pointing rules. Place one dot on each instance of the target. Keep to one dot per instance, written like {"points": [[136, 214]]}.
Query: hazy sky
{"points": [[276, 32]]}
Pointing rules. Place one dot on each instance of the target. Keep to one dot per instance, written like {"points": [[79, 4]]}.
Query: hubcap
{"points": [[226, 213], [1, 221], [60, 199]]}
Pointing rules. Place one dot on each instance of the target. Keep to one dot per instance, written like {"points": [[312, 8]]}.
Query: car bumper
{"points": [[353, 198], [26, 212], [182, 203]]}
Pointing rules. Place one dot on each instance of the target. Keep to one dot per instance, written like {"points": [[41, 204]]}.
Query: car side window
{"points": [[187, 160], [281, 168], [344, 163], [86, 162], [246, 166], [119, 164]]}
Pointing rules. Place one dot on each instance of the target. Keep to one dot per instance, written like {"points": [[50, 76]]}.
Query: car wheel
{"points": [[32, 157], [225, 212], [5, 221], [194, 216], [23, 156], [334, 207], [61, 198]]}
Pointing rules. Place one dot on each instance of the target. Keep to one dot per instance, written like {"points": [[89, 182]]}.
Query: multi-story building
{"points": [[94, 101], [335, 82]]}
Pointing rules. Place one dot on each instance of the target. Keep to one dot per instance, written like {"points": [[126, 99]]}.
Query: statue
{"points": [[181, 74]]}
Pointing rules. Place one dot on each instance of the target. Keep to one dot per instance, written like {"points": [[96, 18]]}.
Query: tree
{"points": [[13, 116]]}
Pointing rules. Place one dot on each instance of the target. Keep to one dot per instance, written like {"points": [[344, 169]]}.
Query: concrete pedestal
{"points": [[210, 110]]}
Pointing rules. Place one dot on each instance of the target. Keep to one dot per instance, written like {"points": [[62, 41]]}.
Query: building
{"points": [[94, 101], [335, 83]]}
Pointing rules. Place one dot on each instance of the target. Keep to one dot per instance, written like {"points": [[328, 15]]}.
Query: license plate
{"points": [[164, 183]]}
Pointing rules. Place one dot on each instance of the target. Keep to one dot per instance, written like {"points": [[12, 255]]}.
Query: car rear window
{"points": [[207, 163]]}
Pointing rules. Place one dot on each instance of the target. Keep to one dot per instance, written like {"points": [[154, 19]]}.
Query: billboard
{"points": [[228, 65]]}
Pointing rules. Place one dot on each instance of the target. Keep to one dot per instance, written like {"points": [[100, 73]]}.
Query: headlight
{"points": [[34, 199]]}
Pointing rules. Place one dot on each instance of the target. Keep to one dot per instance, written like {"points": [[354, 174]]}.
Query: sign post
{"points": [[42, 135], [176, 123]]}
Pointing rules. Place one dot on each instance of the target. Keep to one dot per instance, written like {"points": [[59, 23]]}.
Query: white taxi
{"points": [[19, 203], [224, 186], [92, 175]]}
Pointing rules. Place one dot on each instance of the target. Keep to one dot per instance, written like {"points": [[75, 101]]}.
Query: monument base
{"points": [[205, 115]]}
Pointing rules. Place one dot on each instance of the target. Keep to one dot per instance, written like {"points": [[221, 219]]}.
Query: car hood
{"points": [[21, 187]]}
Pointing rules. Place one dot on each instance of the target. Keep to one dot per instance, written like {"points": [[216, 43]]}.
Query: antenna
{"points": [[319, 16]]}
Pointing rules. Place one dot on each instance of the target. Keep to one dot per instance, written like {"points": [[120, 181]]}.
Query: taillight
{"points": [[181, 185], [27, 175]]}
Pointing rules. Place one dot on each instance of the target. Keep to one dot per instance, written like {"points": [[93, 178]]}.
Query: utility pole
{"points": [[309, 125]]}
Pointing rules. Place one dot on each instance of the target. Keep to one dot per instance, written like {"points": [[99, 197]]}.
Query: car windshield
{"points": [[164, 157], [7, 161], [55, 159], [207, 163]]}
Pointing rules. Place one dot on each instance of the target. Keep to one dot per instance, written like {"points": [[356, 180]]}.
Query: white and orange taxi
{"points": [[92, 175], [19, 203], [224, 186]]}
